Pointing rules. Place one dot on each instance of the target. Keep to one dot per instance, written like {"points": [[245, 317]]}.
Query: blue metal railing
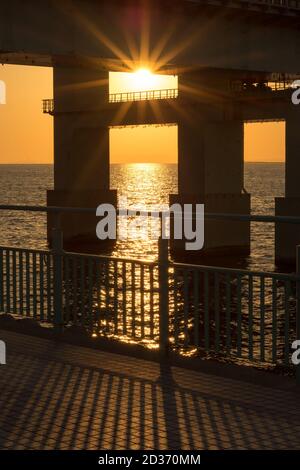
{"points": [[250, 317]]}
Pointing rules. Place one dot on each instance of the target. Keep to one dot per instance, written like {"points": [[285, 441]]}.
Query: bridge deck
{"points": [[58, 396]]}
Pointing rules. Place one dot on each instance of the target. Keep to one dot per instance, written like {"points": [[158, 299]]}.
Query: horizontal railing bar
{"points": [[143, 95], [241, 272], [133, 211], [110, 258], [253, 218], [56, 209], [288, 4], [284, 6], [25, 250], [80, 255]]}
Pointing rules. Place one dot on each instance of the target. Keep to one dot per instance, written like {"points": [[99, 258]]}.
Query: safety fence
{"points": [[232, 314]]}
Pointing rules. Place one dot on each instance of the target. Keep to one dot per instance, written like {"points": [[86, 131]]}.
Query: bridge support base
{"points": [[287, 236], [79, 229], [222, 238]]}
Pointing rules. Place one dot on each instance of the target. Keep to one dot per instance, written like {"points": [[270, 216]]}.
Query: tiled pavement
{"points": [[59, 396]]}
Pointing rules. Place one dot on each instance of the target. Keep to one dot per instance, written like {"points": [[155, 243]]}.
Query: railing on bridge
{"points": [[240, 86], [107, 296], [244, 316], [169, 93], [280, 6], [292, 4], [48, 106], [226, 312]]}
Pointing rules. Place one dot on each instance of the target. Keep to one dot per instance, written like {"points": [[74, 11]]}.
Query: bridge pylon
{"points": [[211, 161], [81, 150]]}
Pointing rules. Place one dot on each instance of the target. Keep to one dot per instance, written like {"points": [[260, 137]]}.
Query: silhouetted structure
{"points": [[226, 57]]}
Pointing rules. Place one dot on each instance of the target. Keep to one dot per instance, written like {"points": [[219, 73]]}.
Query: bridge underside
{"points": [[165, 33]]}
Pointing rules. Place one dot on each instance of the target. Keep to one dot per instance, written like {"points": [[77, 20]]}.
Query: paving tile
{"points": [[58, 396]]}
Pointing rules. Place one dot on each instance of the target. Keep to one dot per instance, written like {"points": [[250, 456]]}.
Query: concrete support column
{"points": [[211, 171], [287, 236], [292, 164], [191, 159], [211, 157], [81, 148]]}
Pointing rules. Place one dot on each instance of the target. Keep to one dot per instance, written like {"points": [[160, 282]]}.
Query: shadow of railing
{"points": [[49, 403]]}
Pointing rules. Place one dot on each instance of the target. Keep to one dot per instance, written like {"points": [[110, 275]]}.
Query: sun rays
{"points": [[143, 56], [141, 80]]}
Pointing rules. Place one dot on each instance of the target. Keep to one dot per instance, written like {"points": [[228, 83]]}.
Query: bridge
{"points": [[235, 62]]}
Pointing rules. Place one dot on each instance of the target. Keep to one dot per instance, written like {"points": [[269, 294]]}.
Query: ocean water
{"points": [[146, 184]]}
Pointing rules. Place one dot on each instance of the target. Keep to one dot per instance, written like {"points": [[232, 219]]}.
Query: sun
{"points": [[143, 79]]}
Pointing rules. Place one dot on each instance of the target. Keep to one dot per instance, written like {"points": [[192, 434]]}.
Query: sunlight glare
{"points": [[143, 80], [140, 80]]}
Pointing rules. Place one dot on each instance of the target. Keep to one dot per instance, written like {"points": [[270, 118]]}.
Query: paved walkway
{"points": [[59, 396]]}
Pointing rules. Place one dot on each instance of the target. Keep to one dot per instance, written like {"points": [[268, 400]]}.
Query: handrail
{"points": [[282, 5], [147, 95], [132, 211], [168, 93], [65, 288], [254, 218], [236, 271], [48, 106], [118, 259], [290, 4], [82, 255]]}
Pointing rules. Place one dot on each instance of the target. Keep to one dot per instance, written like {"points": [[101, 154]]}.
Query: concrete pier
{"points": [[81, 149], [287, 236], [211, 162]]}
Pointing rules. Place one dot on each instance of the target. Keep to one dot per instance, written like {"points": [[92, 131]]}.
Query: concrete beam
{"points": [[183, 35]]}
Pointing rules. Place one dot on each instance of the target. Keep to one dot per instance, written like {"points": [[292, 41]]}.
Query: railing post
{"points": [[298, 307], [57, 251], [163, 278]]}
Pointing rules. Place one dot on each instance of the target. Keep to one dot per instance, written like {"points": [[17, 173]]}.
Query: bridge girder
{"points": [[170, 35]]}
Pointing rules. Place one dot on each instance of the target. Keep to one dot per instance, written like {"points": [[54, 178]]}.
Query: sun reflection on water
{"points": [[147, 185]]}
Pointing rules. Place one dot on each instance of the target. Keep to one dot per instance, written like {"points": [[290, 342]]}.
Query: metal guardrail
{"points": [[251, 87], [48, 105], [286, 4], [170, 93], [106, 296], [233, 314], [132, 211], [282, 5]]}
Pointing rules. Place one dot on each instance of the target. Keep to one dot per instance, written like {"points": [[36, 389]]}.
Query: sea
{"points": [[143, 184]]}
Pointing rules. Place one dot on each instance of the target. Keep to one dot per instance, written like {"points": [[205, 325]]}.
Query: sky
{"points": [[26, 134]]}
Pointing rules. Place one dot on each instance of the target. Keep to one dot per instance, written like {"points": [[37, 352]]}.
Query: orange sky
{"points": [[26, 134]]}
